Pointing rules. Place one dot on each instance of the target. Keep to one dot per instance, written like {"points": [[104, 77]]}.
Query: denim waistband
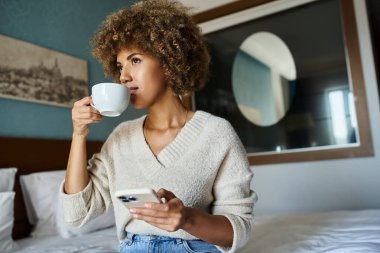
{"points": [[149, 238]]}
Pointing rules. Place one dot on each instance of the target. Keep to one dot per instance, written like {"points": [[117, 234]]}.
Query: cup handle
{"points": [[93, 106]]}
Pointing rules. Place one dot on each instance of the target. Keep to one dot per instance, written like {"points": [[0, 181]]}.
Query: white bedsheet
{"points": [[333, 232], [330, 232], [103, 241]]}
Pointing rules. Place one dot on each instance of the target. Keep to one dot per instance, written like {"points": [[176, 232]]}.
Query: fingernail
{"points": [[132, 210]]}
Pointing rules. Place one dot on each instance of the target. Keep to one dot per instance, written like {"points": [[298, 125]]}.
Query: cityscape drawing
{"points": [[33, 73]]}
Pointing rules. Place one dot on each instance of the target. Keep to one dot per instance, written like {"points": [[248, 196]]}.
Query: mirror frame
{"points": [[223, 17]]}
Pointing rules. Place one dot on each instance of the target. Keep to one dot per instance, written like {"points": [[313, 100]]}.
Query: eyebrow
{"points": [[129, 57], [133, 54]]}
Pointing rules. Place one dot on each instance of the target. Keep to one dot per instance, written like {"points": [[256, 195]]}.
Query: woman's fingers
{"points": [[83, 110], [149, 219], [163, 193], [169, 216], [171, 222], [150, 212], [84, 114], [84, 101], [87, 108]]}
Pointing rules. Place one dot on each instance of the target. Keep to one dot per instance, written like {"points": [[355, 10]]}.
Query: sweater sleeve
{"points": [[95, 198], [233, 197]]}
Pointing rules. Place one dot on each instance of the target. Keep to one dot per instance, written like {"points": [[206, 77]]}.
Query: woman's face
{"points": [[143, 76]]}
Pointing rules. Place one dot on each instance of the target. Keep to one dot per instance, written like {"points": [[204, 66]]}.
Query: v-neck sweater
{"points": [[205, 166]]}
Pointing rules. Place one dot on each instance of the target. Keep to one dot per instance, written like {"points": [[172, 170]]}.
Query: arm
{"points": [[83, 194], [215, 229], [77, 177], [233, 197]]}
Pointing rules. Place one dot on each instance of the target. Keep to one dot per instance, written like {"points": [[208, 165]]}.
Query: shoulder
{"points": [[222, 135], [218, 126], [217, 123]]}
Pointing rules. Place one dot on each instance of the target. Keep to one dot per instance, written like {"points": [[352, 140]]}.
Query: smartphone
{"points": [[137, 197]]}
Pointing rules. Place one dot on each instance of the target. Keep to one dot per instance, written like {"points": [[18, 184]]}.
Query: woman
{"points": [[194, 160]]}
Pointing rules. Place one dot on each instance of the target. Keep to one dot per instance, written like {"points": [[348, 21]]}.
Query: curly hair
{"points": [[163, 29]]}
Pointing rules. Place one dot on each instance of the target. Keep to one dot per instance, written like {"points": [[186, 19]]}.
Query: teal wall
{"points": [[65, 26]]}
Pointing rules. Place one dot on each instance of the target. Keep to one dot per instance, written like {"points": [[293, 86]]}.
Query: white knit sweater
{"points": [[205, 166]]}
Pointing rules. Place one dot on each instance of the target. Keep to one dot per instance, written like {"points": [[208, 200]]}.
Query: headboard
{"points": [[34, 155]]}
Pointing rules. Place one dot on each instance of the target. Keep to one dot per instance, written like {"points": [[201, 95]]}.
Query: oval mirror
{"points": [[263, 78]]}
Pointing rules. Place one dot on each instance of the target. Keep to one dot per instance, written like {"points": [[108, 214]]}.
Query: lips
{"points": [[133, 90]]}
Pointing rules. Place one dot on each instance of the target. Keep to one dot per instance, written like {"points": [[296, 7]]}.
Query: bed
{"points": [[102, 241], [339, 231], [336, 231]]}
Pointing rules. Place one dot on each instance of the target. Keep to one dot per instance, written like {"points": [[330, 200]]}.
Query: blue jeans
{"points": [[162, 244]]}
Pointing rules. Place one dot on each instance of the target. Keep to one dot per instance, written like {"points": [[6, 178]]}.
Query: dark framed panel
{"points": [[373, 7], [323, 38]]}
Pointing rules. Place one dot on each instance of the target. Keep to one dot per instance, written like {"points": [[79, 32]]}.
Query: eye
{"points": [[119, 68], [135, 60]]}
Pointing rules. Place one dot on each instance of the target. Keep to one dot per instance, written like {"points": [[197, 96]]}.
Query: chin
{"points": [[137, 105]]}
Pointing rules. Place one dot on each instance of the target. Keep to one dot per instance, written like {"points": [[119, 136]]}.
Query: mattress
{"points": [[333, 232], [103, 241], [330, 232]]}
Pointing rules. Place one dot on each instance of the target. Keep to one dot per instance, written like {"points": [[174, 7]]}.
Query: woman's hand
{"points": [[170, 216], [84, 114], [173, 215]]}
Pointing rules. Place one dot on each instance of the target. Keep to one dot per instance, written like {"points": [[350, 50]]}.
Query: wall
{"points": [[331, 184], [65, 26]]}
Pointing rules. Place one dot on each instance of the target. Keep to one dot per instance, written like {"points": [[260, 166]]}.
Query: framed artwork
{"points": [[288, 76], [32, 73]]}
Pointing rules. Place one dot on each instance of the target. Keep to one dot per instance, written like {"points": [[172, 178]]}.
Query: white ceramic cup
{"points": [[110, 99]]}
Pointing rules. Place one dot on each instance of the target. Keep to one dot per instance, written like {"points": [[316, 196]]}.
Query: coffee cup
{"points": [[110, 99]]}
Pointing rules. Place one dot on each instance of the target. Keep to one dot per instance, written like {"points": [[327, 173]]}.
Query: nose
{"points": [[125, 76]]}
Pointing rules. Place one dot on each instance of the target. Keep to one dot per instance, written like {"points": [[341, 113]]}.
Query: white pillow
{"points": [[6, 221], [40, 192], [41, 195], [7, 179]]}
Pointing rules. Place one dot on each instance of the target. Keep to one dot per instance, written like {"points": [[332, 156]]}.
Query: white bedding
{"points": [[103, 241], [333, 232]]}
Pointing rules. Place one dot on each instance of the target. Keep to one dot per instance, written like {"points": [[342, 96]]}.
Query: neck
{"points": [[169, 114]]}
